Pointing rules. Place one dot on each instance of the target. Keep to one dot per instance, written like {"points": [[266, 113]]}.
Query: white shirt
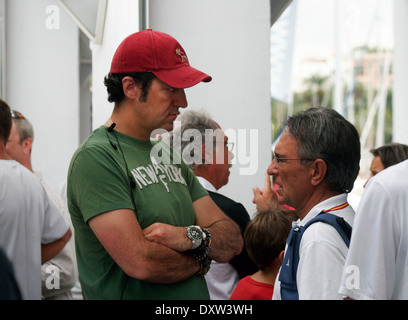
{"points": [[222, 278], [322, 254], [377, 262], [64, 261], [206, 184], [27, 219]]}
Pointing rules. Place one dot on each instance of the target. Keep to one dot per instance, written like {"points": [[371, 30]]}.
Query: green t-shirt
{"points": [[164, 192]]}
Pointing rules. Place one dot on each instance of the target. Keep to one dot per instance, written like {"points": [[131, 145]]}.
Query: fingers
{"points": [[257, 194], [267, 183], [260, 200]]}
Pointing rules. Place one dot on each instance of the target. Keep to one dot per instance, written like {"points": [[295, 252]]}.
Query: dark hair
{"points": [[113, 83], [5, 121], [265, 236], [324, 134], [391, 154]]}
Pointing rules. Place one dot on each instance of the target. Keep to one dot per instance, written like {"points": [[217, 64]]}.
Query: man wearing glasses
{"points": [[144, 229], [212, 165], [315, 165]]}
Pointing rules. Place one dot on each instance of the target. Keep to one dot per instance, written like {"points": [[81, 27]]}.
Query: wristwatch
{"points": [[196, 235]]}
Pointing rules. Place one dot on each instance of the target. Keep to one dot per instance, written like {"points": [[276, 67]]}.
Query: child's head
{"points": [[265, 235]]}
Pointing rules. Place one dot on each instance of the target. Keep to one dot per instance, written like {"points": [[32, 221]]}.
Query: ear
{"points": [[27, 144], [319, 169], [130, 88], [281, 256]]}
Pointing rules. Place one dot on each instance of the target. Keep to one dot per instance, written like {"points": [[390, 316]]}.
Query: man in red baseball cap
{"points": [[160, 54], [144, 228]]}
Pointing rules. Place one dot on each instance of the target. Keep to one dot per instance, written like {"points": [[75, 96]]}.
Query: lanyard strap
{"points": [[339, 207]]}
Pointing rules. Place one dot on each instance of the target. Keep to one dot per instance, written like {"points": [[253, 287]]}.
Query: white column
{"points": [[42, 63], [122, 19], [400, 72]]}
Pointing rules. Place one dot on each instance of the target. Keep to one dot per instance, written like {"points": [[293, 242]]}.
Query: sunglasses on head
{"points": [[16, 115]]}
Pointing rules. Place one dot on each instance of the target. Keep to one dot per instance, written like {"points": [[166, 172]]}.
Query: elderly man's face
{"points": [[222, 160], [292, 176]]}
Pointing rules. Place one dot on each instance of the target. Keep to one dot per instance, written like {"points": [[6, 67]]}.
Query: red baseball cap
{"points": [[159, 53]]}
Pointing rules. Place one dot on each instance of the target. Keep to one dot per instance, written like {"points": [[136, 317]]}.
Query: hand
{"points": [[266, 198], [170, 236]]}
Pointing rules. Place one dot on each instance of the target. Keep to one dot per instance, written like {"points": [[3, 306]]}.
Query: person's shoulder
{"points": [[22, 173], [96, 142], [97, 138], [322, 233], [235, 210], [216, 195], [221, 199], [393, 179]]}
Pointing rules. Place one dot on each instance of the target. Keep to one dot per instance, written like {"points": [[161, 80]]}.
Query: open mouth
{"points": [[278, 188]]}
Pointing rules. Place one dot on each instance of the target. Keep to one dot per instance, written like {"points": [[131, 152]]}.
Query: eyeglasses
{"points": [[284, 160], [16, 115], [228, 145]]}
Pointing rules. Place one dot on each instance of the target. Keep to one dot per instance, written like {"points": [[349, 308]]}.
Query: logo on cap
{"points": [[182, 55]]}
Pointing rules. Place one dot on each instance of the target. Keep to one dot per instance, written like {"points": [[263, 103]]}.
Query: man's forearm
{"points": [[50, 250], [167, 266], [141, 257], [226, 240]]}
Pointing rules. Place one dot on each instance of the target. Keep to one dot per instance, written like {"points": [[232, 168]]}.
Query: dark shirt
{"points": [[9, 289], [237, 212]]}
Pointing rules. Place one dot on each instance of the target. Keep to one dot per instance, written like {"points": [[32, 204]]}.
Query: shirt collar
{"points": [[324, 205], [206, 184]]}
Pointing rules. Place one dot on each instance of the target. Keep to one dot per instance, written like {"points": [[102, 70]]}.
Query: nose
{"points": [[273, 169], [180, 99], [230, 155]]}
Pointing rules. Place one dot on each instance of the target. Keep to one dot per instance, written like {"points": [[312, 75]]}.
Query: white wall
{"points": [[121, 20], [42, 82], [229, 40], [400, 71]]}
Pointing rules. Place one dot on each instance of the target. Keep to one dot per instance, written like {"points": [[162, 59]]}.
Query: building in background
{"points": [[55, 53]]}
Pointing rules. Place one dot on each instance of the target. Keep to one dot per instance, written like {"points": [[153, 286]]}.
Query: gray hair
{"points": [[195, 130], [25, 128], [324, 134]]}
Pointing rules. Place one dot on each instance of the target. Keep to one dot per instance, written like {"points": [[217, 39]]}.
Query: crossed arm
{"points": [[156, 253], [50, 250]]}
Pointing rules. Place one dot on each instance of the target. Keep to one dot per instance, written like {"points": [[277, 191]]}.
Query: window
{"points": [[89, 15]]}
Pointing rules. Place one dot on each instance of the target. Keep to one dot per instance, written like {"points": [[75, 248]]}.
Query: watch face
{"points": [[195, 233]]}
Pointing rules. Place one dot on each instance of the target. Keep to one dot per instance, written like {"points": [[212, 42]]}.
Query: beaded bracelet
{"points": [[201, 253], [204, 267]]}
